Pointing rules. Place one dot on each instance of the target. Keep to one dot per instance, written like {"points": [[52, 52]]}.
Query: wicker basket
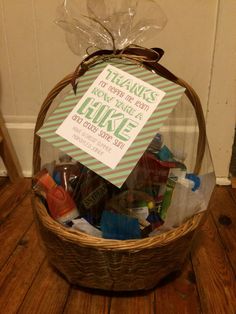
{"points": [[114, 264]]}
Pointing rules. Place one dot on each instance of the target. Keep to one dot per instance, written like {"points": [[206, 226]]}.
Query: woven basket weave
{"points": [[114, 264]]}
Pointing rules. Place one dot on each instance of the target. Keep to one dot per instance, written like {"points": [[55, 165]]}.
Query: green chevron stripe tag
{"points": [[117, 111]]}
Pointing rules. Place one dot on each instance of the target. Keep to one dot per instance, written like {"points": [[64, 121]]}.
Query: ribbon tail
{"points": [[160, 52], [74, 86], [73, 82]]}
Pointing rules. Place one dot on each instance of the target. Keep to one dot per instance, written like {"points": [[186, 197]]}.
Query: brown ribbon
{"points": [[134, 53]]}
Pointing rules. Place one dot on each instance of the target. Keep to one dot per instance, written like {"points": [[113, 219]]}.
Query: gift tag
{"points": [[108, 124]]}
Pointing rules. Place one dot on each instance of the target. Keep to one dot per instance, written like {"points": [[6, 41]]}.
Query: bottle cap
{"points": [[196, 180], [64, 157], [45, 180]]}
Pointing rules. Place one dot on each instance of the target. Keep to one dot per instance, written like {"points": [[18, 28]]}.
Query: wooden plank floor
{"points": [[29, 285]]}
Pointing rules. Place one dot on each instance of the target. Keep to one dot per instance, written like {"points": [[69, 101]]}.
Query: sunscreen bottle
{"points": [[60, 204]]}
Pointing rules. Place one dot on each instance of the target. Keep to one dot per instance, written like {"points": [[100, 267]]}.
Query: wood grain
{"points": [[86, 302], [223, 210], [13, 228], [12, 195], [215, 277], [138, 304], [4, 181], [18, 273], [179, 296], [48, 293], [232, 193]]}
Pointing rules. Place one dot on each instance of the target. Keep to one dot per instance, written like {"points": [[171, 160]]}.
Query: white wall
{"points": [[199, 43]]}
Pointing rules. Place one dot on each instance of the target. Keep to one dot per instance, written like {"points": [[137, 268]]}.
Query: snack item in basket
{"points": [[76, 182], [145, 230], [119, 227], [156, 144], [165, 154], [44, 181], [179, 172], [148, 172], [66, 171], [150, 175], [90, 196], [83, 225], [185, 203], [139, 210], [126, 201], [155, 220], [60, 204], [167, 197], [135, 204]]}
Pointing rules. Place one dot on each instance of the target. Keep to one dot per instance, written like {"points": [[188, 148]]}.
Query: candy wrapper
{"points": [[167, 170]]}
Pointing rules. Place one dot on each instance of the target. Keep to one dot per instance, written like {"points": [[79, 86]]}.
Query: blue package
{"points": [[165, 154], [57, 177], [119, 227], [155, 218], [195, 179]]}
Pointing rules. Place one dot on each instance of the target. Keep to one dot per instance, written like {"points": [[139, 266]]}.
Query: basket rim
{"points": [[86, 240]]}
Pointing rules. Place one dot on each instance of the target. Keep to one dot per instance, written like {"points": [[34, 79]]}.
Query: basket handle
{"points": [[159, 69]]}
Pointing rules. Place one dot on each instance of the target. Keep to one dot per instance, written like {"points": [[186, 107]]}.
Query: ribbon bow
{"points": [[147, 57]]}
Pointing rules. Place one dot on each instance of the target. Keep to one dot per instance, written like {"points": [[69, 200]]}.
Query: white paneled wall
{"points": [[34, 56]]}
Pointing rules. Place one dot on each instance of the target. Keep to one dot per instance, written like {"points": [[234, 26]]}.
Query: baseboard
{"points": [[26, 174], [21, 134], [223, 181]]}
